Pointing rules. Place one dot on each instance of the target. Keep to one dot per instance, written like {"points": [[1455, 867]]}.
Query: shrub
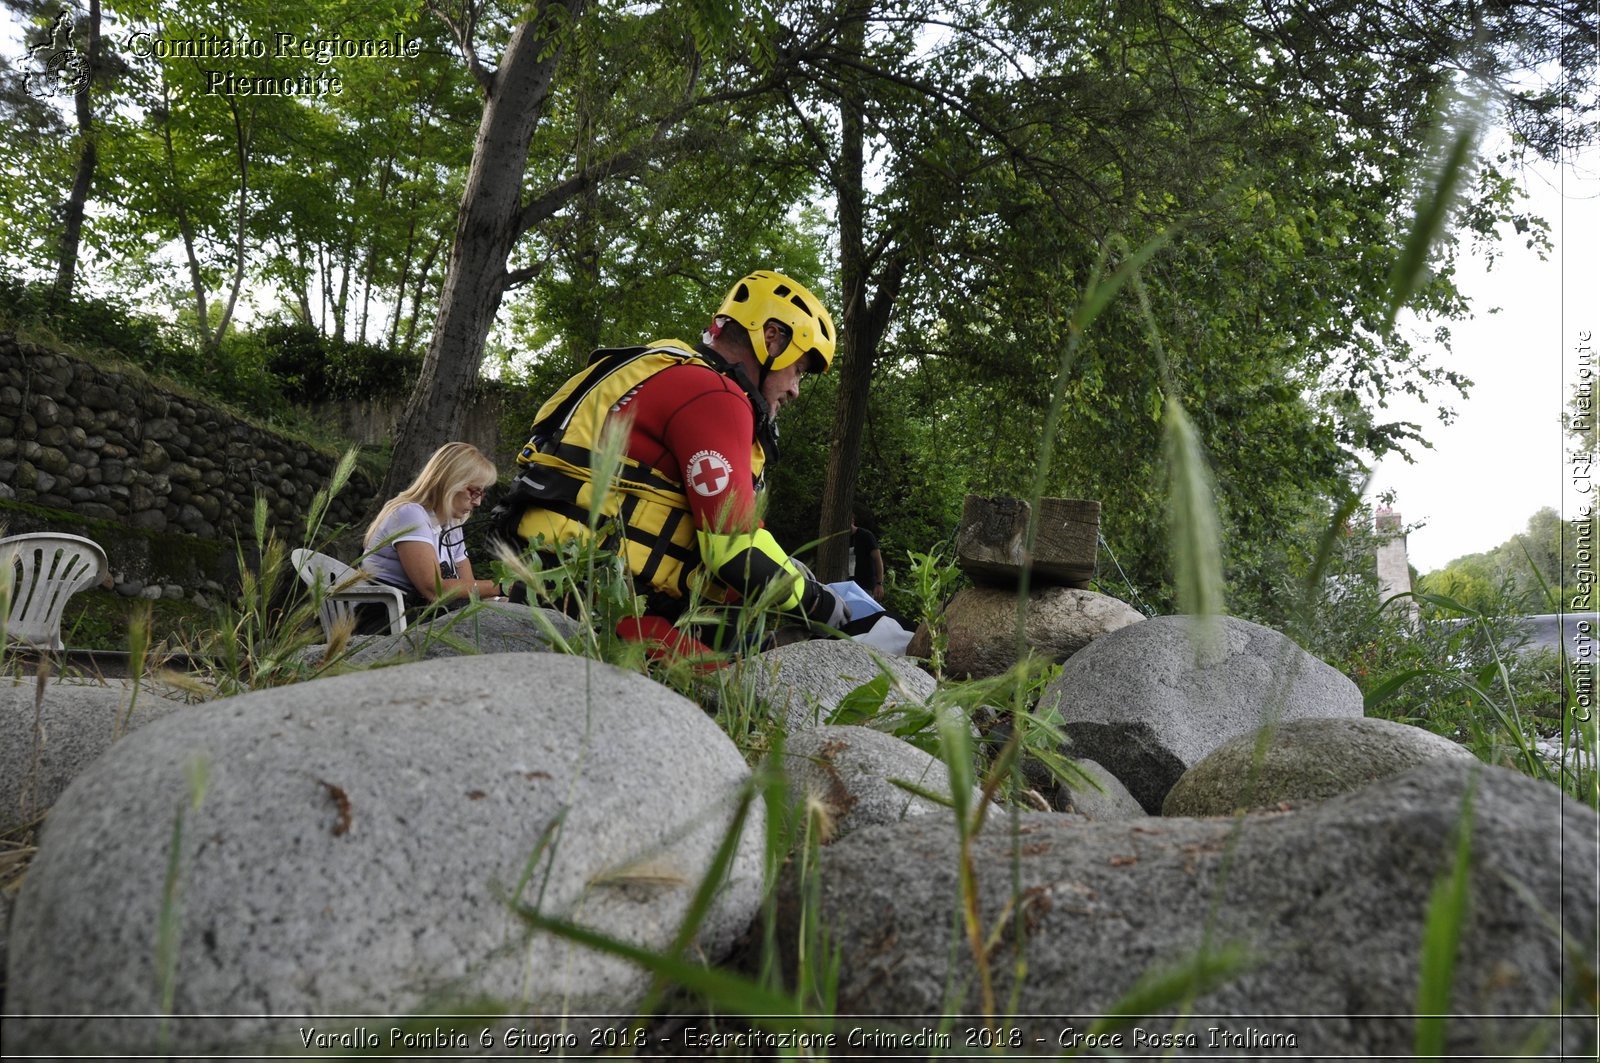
{"points": [[97, 322], [309, 366]]}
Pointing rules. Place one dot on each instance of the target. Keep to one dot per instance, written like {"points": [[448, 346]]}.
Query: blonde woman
{"points": [[416, 542]]}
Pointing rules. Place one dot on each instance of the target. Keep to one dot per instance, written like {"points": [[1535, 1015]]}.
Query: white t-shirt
{"points": [[410, 523]]}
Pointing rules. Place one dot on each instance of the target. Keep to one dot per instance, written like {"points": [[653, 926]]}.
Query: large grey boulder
{"points": [[356, 843], [1326, 904], [46, 742], [1095, 794], [804, 683], [848, 770], [982, 626], [488, 628], [1302, 760], [1150, 700]]}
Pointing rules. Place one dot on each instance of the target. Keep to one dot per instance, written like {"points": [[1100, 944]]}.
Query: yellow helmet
{"points": [[765, 296]]}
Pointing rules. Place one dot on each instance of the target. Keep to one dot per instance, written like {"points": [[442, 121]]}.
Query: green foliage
{"points": [[909, 490], [105, 323], [312, 367], [930, 580], [1467, 675], [336, 204], [262, 371], [1522, 573], [995, 191], [1470, 589], [1465, 672]]}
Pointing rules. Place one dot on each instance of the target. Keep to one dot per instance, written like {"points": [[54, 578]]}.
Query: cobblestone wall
{"points": [[111, 446]]}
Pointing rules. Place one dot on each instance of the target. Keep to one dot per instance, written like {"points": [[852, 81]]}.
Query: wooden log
{"points": [[989, 543]]}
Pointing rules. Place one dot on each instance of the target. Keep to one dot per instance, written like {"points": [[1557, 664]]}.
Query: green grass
{"points": [[99, 619]]}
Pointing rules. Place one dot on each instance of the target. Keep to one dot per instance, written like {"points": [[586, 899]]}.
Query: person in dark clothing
{"points": [[866, 560]]}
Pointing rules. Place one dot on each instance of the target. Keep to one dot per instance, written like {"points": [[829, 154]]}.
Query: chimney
{"points": [[1394, 570]]}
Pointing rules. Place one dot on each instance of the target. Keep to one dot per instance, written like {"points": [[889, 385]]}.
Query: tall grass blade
{"points": [[1392, 686], [8, 576], [320, 502], [1171, 989], [700, 905], [1101, 292], [1441, 938], [1332, 535], [549, 841], [1194, 529], [931, 796], [817, 960], [955, 748], [139, 622], [733, 993], [168, 919], [1433, 212]]}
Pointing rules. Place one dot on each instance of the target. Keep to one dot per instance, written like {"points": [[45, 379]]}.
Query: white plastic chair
{"points": [[46, 570], [340, 588]]}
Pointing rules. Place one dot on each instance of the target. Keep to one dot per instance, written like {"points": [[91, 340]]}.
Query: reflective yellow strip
{"points": [[718, 550]]}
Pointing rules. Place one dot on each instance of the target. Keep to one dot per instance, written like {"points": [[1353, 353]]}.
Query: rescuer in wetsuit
{"points": [[700, 432]]}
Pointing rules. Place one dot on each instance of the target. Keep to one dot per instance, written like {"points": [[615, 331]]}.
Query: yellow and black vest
{"points": [[646, 511]]}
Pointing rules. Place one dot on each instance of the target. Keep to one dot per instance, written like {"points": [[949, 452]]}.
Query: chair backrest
{"points": [[338, 589], [46, 569], [320, 569]]}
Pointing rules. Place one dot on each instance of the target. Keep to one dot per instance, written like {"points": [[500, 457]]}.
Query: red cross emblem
{"points": [[709, 473]]}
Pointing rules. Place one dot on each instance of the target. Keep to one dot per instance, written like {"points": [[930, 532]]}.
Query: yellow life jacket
{"points": [[649, 509]]}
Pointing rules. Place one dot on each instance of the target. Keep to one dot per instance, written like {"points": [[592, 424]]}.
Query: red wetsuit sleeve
{"points": [[696, 426]]}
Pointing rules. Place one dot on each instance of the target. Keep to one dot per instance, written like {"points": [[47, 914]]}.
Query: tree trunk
{"points": [[419, 292], [486, 229], [243, 136], [324, 283], [88, 159], [864, 326], [864, 319], [302, 289], [405, 275], [197, 283], [369, 267]]}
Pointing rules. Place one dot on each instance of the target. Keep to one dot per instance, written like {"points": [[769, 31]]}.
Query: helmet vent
{"points": [[742, 295]]}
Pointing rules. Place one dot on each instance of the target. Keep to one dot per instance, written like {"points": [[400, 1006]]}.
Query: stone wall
{"points": [[110, 446]]}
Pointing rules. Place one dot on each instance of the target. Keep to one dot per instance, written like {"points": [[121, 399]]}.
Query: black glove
{"points": [[823, 607]]}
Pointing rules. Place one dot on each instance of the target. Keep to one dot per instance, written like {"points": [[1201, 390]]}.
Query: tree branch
{"points": [[627, 162], [463, 29]]}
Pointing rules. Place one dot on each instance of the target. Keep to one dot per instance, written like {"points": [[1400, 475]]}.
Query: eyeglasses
{"points": [[475, 493]]}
